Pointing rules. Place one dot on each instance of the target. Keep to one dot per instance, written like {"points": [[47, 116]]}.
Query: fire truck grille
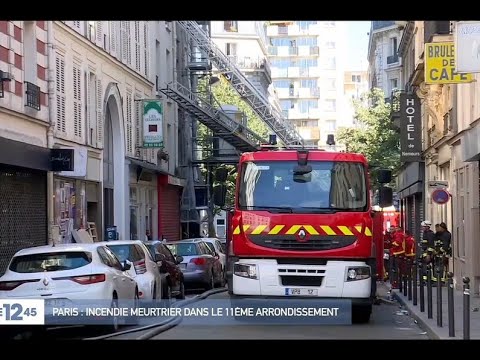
{"points": [[291, 242]]}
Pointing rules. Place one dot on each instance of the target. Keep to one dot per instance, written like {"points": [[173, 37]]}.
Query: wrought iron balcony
{"points": [[33, 95], [395, 107]]}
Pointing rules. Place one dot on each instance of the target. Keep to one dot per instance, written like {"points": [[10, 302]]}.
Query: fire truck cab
{"points": [[302, 227]]}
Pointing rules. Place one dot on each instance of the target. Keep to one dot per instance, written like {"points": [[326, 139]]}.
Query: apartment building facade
{"points": [[25, 136], [384, 70], [307, 62], [451, 154], [105, 70]]}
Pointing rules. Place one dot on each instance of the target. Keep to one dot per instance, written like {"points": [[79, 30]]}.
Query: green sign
{"points": [[152, 124]]}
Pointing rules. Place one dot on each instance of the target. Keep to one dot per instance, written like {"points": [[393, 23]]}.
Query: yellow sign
{"points": [[440, 65]]}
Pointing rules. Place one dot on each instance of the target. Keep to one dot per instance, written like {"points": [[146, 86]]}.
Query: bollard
{"points": [[439, 293], [409, 278], [466, 308], [422, 286], [429, 292], [451, 313], [415, 282]]}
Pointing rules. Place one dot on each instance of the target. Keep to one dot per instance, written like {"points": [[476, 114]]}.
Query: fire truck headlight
{"points": [[245, 270], [358, 273]]}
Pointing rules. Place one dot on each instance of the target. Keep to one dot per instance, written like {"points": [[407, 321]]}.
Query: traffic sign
{"points": [[440, 196]]}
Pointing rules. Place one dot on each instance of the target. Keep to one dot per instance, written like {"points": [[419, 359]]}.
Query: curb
{"points": [[422, 323]]}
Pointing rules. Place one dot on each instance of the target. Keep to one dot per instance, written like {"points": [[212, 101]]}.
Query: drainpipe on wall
{"points": [[51, 127]]}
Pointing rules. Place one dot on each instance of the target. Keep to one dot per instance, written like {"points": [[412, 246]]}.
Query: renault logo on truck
{"points": [[302, 235]]}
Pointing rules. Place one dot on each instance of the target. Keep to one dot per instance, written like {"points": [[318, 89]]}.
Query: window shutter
{"points": [[60, 92], [145, 49], [137, 46], [113, 37], [138, 128], [99, 114], [99, 33], [77, 101], [129, 130]]}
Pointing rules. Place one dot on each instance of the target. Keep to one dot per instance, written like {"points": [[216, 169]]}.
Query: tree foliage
{"points": [[376, 137], [226, 95]]}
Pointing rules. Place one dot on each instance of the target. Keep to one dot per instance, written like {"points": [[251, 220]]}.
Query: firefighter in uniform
{"points": [[442, 249], [409, 249], [387, 244], [428, 247], [398, 252]]}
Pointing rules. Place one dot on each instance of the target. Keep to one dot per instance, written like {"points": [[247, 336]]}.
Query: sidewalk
{"points": [[430, 325]]}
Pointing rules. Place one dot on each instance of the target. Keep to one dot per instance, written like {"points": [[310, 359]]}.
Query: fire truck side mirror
{"points": [[220, 195], [221, 175], [384, 176], [385, 196]]}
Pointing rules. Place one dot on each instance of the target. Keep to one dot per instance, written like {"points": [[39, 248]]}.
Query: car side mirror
{"points": [[220, 195], [385, 197], [384, 176], [126, 265], [179, 259]]}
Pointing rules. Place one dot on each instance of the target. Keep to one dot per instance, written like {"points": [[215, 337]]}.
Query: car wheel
{"points": [[181, 294], [115, 320]]}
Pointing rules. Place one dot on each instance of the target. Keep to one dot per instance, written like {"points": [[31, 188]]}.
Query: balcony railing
{"points": [[33, 95], [392, 59], [251, 63]]}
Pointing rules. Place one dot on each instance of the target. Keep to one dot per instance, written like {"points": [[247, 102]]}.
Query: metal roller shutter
{"points": [[23, 211], [169, 209]]}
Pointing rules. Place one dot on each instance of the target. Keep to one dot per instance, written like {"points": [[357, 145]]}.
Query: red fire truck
{"points": [[302, 226]]}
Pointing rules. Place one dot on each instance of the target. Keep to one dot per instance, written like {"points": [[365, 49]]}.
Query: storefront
{"points": [[143, 200], [170, 191], [23, 198], [77, 197]]}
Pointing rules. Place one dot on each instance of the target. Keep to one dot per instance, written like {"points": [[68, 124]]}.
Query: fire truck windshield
{"points": [[330, 186]]}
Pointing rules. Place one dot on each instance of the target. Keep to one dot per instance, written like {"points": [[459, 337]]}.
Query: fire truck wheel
{"points": [[361, 314]]}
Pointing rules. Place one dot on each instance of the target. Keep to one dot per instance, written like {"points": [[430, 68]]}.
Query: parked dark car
{"points": [[169, 265], [200, 266]]}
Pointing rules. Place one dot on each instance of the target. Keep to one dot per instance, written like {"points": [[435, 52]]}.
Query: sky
{"points": [[357, 45]]}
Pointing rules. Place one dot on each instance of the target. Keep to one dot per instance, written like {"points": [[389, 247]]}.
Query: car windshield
{"points": [[330, 186], [183, 249], [56, 261]]}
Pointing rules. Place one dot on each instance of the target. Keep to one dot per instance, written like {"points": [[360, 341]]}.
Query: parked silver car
{"points": [[199, 266]]}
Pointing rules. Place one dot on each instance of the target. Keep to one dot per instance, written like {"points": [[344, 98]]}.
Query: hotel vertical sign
{"points": [[410, 128]]}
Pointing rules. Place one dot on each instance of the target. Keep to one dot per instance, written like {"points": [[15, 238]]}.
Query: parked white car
{"points": [[63, 273], [216, 246], [144, 270]]}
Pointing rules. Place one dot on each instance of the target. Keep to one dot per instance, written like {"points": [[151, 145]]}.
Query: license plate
{"points": [[57, 302], [301, 292]]}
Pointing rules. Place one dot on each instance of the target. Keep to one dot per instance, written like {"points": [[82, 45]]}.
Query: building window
{"points": [[393, 84], [304, 25], [281, 84], [394, 46], [230, 26], [33, 95], [231, 49], [330, 45], [331, 126], [331, 105]]}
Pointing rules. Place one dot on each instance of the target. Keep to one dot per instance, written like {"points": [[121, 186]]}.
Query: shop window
{"points": [[70, 210]]}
